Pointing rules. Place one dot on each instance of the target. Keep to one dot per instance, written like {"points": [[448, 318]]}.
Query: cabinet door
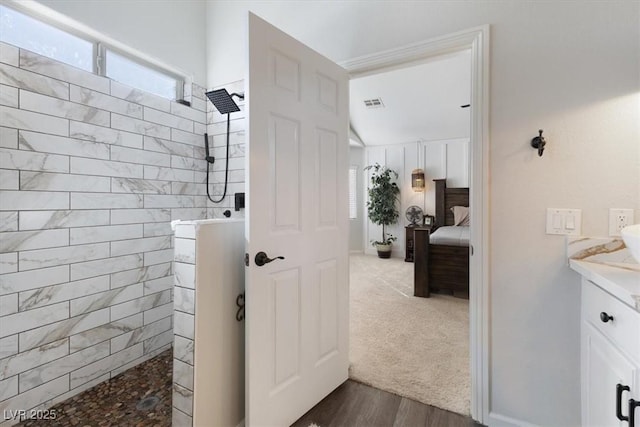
{"points": [[603, 366]]}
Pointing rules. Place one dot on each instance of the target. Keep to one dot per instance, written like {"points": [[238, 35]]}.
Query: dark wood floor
{"points": [[354, 404]]}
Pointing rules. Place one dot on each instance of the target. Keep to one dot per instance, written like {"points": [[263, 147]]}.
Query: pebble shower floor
{"points": [[123, 401]]}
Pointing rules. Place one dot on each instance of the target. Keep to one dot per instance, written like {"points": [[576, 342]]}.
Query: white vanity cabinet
{"points": [[610, 359]]}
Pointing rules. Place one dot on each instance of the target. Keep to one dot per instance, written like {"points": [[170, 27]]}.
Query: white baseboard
{"points": [[499, 420]]}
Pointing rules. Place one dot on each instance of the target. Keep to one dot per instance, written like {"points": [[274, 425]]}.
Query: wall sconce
{"points": [[417, 180]]}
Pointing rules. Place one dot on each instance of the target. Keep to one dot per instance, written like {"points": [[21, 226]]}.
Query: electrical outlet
{"points": [[619, 219]]}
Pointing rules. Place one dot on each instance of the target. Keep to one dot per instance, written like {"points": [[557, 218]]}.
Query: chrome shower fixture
{"points": [[223, 101]]}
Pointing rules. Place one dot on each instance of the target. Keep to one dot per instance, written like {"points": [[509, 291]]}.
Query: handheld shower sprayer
{"points": [[207, 157]]}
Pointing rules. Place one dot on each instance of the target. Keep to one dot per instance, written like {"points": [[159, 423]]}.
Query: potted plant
{"points": [[382, 205]]}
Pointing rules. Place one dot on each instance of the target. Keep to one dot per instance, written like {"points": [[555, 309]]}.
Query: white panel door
{"points": [[297, 331]]}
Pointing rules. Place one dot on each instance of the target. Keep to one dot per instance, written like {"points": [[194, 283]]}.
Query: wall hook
{"points": [[539, 143]]}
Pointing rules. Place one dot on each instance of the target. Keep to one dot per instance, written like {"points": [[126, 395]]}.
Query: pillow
{"points": [[460, 215]]}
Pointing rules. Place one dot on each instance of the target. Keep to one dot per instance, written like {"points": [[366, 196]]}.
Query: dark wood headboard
{"points": [[446, 198]]}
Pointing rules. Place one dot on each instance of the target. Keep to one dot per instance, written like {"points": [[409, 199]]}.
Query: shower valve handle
{"points": [[262, 259]]}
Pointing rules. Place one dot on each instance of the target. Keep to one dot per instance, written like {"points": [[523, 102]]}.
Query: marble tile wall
{"points": [[91, 174]]}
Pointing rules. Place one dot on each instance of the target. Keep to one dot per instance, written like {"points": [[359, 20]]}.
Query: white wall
{"points": [[570, 68], [171, 31], [356, 226]]}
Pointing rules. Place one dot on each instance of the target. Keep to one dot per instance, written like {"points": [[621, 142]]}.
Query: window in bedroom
{"points": [[353, 193]]}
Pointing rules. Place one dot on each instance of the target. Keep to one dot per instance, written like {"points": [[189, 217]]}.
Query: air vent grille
{"points": [[373, 103]]}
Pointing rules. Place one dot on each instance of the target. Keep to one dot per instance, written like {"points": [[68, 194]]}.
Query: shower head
{"points": [[223, 101]]}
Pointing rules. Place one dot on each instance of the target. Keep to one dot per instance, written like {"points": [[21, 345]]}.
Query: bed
{"points": [[442, 255]]}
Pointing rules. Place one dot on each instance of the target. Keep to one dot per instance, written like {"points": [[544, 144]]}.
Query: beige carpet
{"points": [[414, 347]]}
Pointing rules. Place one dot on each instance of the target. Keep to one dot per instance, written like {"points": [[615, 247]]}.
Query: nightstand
{"points": [[409, 240]]}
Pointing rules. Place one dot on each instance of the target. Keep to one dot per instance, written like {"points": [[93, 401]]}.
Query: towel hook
{"points": [[539, 143]]}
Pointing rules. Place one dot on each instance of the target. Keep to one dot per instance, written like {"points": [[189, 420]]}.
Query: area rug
{"points": [[414, 347]]}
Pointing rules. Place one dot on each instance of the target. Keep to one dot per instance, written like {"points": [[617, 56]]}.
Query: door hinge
{"points": [[246, 260], [471, 249]]}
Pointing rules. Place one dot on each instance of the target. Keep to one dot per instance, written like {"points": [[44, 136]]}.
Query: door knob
{"points": [[605, 317], [262, 259]]}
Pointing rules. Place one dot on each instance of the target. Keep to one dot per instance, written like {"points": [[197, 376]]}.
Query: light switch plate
{"points": [[564, 221], [618, 219]]}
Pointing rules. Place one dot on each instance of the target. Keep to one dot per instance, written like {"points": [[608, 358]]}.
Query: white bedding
{"points": [[450, 235]]}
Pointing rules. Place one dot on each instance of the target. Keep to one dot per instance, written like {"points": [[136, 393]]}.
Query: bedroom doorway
{"points": [[476, 41]]}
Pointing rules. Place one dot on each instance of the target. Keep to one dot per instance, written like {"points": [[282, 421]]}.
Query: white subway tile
{"points": [[183, 324], [44, 143], [20, 322], [182, 399], [185, 250], [100, 367], [55, 331], [21, 119], [8, 262], [24, 79], [8, 221], [8, 388], [49, 67], [138, 275], [104, 332], [190, 113], [29, 160], [184, 300], [94, 133], [188, 188], [132, 155], [183, 349], [63, 182], [77, 390], [105, 168], [8, 137], [187, 214], [9, 96], [179, 418], [9, 54], [82, 235], [8, 347], [36, 220], [139, 97], [199, 128], [190, 163], [168, 201], [167, 174], [88, 269], [64, 292], [138, 305], [137, 185], [36, 396], [157, 229], [62, 366], [105, 299], [158, 285], [167, 119], [26, 280], [32, 200], [29, 359], [146, 244], [178, 135], [25, 240], [185, 275], [185, 231], [168, 147], [139, 335], [183, 374], [104, 102], [61, 108], [130, 124], [133, 216], [159, 342], [9, 179], [8, 304], [200, 105], [30, 260], [105, 201], [158, 257]]}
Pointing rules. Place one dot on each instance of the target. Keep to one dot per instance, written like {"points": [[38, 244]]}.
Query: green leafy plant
{"points": [[382, 206]]}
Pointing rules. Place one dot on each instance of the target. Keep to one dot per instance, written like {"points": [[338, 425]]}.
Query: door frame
{"points": [[477, 40]]}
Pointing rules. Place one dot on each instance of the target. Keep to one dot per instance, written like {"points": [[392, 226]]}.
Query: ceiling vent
{"points": [[373, 103]]}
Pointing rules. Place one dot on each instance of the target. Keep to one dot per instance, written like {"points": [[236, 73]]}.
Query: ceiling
{"points": [[421, 102]]}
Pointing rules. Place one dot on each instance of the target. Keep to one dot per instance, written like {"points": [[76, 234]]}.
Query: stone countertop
{"points": [[623, 283]]}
